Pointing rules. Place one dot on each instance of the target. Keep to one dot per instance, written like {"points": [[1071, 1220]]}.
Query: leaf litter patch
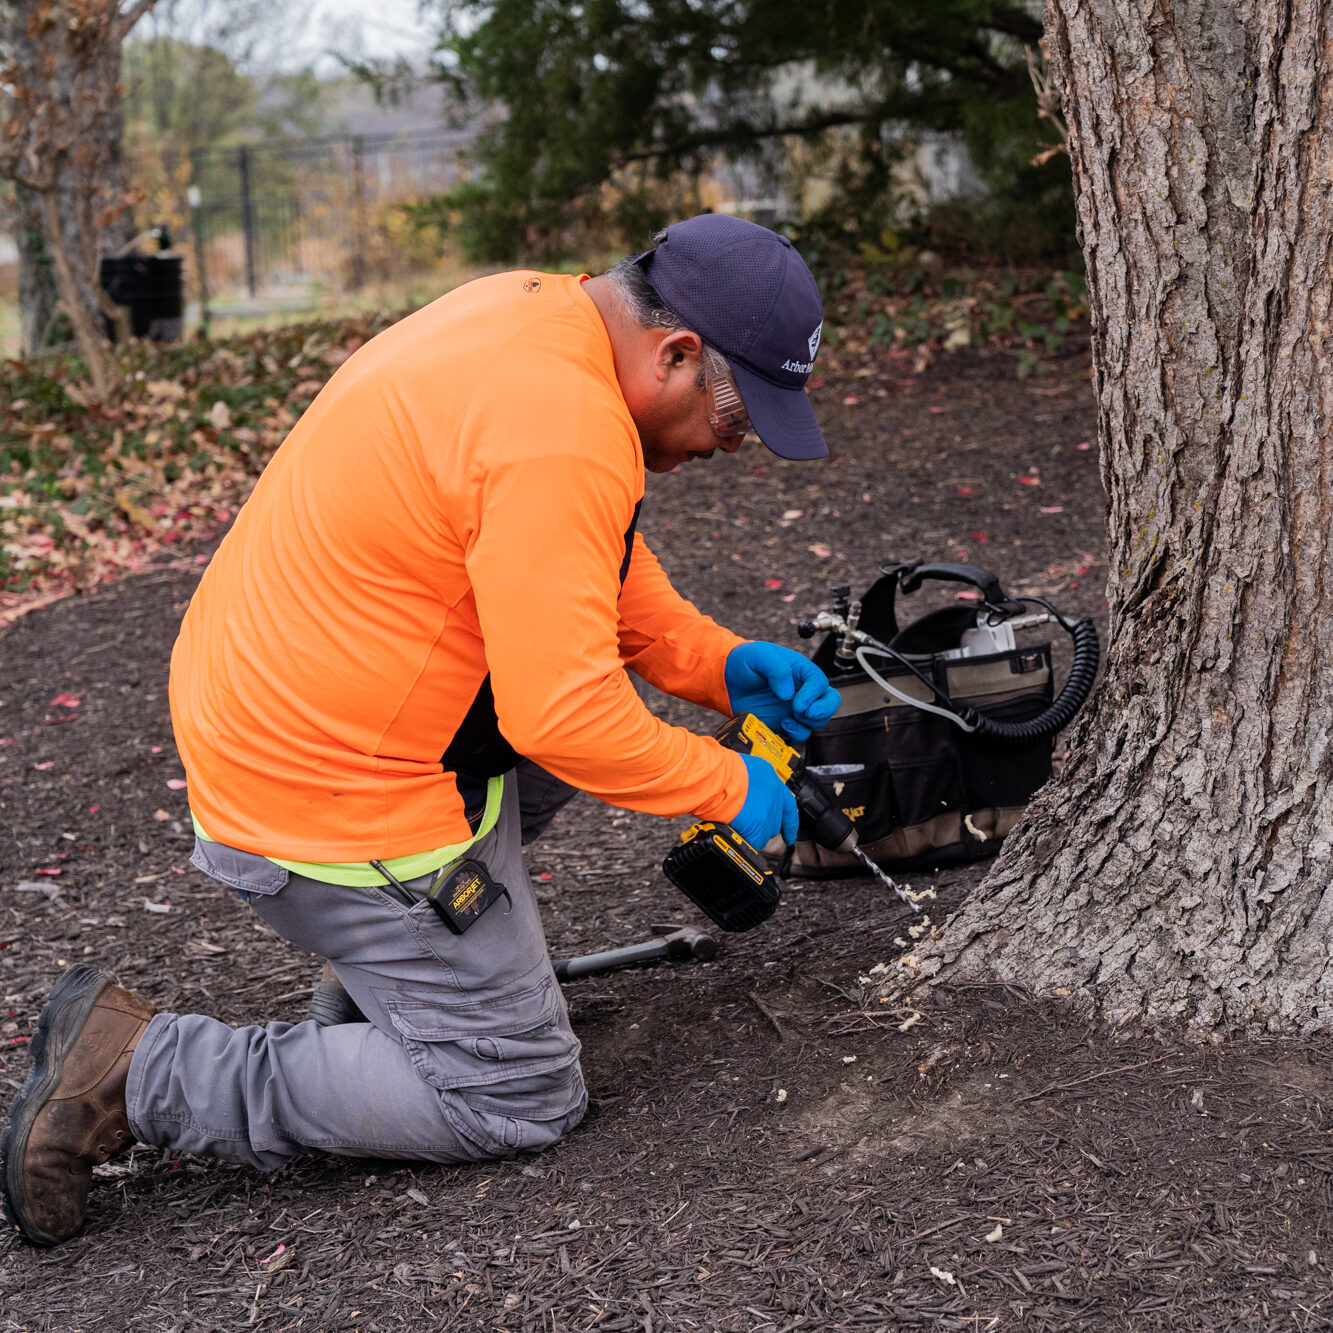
{"points": [[766, 1148]]}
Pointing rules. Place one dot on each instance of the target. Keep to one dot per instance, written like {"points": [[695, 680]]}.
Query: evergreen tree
{"points": [[636, 91]]}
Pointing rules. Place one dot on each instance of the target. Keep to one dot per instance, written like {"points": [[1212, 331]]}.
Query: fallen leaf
{"points": [[67, 701], [150, 906], [41, 768], [280, 1258], [161, 816], [335, 356], [1029, 481], [220, 415], [1052, 509], [819, 552], [775, 584], [135, 512], [47, 870], [1085, 445], [851, 400], [965, 490], [177, 784], [993, 1236]]}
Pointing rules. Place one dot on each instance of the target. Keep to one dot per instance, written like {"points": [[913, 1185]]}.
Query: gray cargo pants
{"points": [[468, 1053]]}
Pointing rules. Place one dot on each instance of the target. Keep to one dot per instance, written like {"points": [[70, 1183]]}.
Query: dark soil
{"points": [[764, 1151]]}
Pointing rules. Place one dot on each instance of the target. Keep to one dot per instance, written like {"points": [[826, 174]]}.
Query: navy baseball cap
{"points": [[747, 292]]}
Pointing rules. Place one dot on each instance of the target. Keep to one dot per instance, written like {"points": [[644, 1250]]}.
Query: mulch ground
{"points": [[764, 1151]]}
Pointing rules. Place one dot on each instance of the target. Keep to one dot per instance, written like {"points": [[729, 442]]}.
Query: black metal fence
{"points": [[269, 216]]}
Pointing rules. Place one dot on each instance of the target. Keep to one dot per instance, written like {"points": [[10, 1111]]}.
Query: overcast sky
{"points": [[382, 28]]}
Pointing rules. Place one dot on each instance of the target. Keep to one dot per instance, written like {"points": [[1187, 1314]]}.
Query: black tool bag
{"points": [[922, 792]]}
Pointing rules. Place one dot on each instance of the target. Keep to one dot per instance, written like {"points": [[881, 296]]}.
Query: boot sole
{"points": [[331, 1006], [62, 1019]]}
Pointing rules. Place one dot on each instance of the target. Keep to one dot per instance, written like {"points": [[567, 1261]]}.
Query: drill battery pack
{"points": [[723, 875]]}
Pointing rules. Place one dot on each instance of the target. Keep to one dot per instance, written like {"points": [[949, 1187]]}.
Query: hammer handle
{"points": [[566, 969]]}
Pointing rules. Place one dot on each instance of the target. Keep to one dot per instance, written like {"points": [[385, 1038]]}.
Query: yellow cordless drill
{"points": [[722, 874]]}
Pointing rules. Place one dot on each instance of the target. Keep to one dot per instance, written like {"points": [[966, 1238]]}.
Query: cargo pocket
{"points": [[246, 872], [507, 1069]]}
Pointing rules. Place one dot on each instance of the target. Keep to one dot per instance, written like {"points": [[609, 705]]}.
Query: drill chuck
{"points": [[829, 827]]}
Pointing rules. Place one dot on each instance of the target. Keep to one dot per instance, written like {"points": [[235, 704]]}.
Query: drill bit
{"points": [[887, 880]]}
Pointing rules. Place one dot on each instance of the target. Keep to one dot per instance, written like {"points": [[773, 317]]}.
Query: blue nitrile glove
{"points": [[780, 687], [769, 807]]}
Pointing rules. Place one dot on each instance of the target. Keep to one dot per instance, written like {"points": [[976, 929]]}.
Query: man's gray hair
{"points": [[649, 311]]}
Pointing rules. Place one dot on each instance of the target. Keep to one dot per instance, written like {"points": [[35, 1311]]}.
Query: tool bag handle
{"points": [[879, 611]]}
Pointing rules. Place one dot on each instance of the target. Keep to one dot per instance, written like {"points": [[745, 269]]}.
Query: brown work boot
{"points": [[70, 1115]]}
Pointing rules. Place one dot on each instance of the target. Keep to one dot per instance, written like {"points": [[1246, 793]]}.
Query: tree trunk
{"points": [[38, 320], [61, 100], [1180, 869]]}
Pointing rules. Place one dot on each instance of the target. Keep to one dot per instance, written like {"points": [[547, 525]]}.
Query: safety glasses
{"points": [[726, 411]]}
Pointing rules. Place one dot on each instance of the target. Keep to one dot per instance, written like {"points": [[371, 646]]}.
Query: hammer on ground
{"points": [[673, 941]]}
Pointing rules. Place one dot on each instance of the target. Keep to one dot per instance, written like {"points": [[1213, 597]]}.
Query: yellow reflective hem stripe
{"points": [[359, 875]]}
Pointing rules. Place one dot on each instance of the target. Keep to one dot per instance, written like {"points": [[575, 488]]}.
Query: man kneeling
{"points": [[438, 575]]}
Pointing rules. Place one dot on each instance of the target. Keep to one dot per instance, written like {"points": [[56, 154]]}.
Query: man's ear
{"points": [[680, 348]]}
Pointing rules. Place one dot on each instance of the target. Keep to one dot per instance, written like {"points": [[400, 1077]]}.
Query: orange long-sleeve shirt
{"points": [[450, 521]]}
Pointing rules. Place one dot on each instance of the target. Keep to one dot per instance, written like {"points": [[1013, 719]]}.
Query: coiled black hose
{"points": [[1077, 687]]}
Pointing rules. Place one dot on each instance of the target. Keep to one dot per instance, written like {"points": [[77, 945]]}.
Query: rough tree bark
{"points": [[60, 143], [1180, 869], [38, 322]]}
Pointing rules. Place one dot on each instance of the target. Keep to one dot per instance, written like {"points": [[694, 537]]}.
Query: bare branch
{"points": [[92, 342], [132, 15], [735, 134], [1048, 106]]}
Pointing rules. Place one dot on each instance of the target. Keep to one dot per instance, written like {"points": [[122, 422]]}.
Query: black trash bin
{"points": [[153, 288]]}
